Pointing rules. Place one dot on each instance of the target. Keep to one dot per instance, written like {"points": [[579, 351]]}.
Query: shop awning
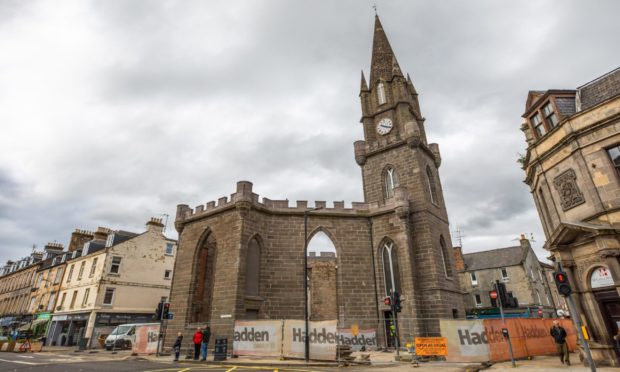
{"points": [[32, 325]]}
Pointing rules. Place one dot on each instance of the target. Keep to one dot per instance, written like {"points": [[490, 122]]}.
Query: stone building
{"points": [[520, 271], [243, 258], [572, 168], [16, 282]]}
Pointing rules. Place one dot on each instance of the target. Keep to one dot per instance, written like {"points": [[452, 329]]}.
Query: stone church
{"points": [[243, 258]]}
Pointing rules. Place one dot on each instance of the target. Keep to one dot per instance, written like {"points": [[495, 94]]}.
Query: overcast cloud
{"points": [[115, 111]]}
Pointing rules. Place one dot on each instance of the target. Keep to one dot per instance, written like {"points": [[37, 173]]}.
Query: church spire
{"points": [[363, 85], [383, 64]]}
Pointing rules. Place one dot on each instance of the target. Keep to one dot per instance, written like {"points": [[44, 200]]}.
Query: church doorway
{"points": [[322, 278]]}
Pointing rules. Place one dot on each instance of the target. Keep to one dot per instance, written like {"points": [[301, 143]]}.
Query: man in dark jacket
{"points": [[177, 346], [197, 342], [206, 335], [559, 337]]}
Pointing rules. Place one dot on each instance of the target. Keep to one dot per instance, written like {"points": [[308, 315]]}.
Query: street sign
{"points": [[170, 316], [493, 294]]}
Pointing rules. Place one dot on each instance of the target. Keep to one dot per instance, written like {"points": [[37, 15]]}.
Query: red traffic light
{"points": [[387, 301], [561, 278], [493, 294]]}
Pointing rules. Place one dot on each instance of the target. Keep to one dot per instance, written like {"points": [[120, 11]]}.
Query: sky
{"points": [[112, 112]]}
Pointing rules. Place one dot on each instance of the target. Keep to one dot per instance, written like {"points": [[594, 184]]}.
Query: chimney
{"points": [[155, 225], [78, 239], [101, 233], [54, 248], [525, 243], [459, 261]]}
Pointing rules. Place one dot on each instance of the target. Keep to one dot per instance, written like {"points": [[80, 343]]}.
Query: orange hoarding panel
{"points": [[427, 346]]}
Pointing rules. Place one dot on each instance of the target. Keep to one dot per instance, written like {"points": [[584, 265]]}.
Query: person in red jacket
{"points": [[197, 342]]}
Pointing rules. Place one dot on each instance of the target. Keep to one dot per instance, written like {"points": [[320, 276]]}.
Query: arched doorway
{"points": [[322, 278]]}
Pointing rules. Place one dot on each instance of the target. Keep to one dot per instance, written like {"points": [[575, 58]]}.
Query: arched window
{"points": [[391, 181], [321, 246], [252, 269], [381, 94], [445, 255], [391, 276], [432, 187], [204, 269]]}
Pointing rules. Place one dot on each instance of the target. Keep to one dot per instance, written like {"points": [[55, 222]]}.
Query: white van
{"points": [[123, 336]]}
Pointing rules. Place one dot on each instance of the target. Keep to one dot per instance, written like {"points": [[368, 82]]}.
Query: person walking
{"points": [[559, 337], [197, 342], [177, 346], [206, 335]]}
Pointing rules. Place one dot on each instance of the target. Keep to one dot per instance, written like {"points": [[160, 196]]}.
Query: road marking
{"points": [[19, 362], [183, 370], [232, 369], [26, 356]]}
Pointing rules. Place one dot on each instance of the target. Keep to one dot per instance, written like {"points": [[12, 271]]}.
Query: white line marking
{"points": [[19, 362]]}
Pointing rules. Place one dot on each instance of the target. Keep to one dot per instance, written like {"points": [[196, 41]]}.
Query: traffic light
{"points": [[387, 301], [396, 297], [166, 312], [502, 295], [561, 281], [159, 310]]}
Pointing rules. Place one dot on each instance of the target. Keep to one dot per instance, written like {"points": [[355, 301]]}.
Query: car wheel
{"points": [[128, 345]]}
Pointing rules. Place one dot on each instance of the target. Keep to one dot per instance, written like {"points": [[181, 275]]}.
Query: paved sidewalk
{"points": [[548, 363]]}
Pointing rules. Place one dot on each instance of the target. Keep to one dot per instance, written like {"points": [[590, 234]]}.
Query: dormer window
{"points": [[550, 116], [538, 125], [85, 248], [381, 94], [109, 241]]}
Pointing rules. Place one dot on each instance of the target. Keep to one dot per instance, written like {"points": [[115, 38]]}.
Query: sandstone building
{"points": [[243, 257], [572, 166]]}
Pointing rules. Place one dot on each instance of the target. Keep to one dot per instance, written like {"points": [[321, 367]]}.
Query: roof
{"points": [[383, 64], [600, 89], [496, 258]]}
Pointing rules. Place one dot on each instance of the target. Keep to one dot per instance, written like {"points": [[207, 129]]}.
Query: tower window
{"points": [[391, 181], [550, 116], [390, 268], [381, 94], [614, 155], [432, 187], [538, 125], [446, 259]]}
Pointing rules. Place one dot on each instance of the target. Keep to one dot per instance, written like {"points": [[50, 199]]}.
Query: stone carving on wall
{"points": [[566, 184]]}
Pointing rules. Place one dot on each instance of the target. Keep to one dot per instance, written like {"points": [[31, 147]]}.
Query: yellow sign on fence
{"points": [[427, 346]]}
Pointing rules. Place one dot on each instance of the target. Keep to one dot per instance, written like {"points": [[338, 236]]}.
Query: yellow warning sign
{"points": [[427, 346]]}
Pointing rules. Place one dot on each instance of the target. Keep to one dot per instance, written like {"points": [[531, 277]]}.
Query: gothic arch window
{"points": [[390, 181], [445, 255], [321, 246], [204, 274], [432, 186], [252, 269], [391, 275], [381, 98]]}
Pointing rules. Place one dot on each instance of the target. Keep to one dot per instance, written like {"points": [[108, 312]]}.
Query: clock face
{"points": [[384, 126]]}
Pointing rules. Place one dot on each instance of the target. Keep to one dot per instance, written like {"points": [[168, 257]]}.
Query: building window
{"points": [[504, 273], [116, 265], [550, 116], [391, 181], [32, 301], [391, 276], [538, 125], [73, 297], [50, 304], [39, 279], [473, 277], [532, 274], [455, 313], [58, 275], [252, 269], [93, 267], [168, 274], [614, 155], [446, 258], [109, 241], [540, 275], [85, 299], [478, 300], [81, 272], [538, 297], [109, 296], [432, 187], [70, 273], [169, 249], [381, 94], [62, 300]]}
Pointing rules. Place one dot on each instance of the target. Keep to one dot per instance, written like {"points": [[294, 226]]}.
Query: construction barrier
{"points": [[482, 340], [146, 337]]}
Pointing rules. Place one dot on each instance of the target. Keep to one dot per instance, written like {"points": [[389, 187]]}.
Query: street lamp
{"points": [[307, 340]]}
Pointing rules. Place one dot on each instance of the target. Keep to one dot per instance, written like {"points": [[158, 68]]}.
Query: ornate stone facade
{"points": [[566, 186]]}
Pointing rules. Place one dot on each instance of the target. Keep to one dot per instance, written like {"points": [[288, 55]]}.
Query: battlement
{"points": [[244, 194]]}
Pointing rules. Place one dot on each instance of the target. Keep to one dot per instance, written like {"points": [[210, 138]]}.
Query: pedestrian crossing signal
{"points": [[387, 301], [561, 281]]}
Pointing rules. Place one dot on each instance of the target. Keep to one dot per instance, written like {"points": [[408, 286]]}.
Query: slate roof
{"points": [[501, 257], [600, 89]]}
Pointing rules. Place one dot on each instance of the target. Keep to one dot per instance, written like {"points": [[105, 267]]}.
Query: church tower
{"points": [[400, 171]]}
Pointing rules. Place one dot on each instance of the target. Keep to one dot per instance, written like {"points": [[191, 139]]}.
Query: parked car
{"points": [[123, 336]]}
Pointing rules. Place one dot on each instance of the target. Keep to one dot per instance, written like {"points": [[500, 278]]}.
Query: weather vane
{"points": [[374, 6]]}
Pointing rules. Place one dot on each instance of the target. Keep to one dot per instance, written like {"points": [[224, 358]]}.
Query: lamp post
{"points": [[307, 339]]}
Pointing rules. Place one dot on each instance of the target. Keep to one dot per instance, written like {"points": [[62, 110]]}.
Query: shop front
{"points": [[67, 329], [608, 301]]}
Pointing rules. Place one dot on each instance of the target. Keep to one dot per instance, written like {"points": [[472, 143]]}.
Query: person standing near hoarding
{"points": [[559, 337], [206, 335], [197, 342], [177, 346]]}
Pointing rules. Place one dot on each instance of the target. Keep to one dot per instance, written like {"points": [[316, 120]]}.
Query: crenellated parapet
{"points": [[244, 195]]}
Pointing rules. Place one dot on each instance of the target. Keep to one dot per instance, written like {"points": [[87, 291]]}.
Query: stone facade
{"points": [[571, 166], [398, 238]]}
